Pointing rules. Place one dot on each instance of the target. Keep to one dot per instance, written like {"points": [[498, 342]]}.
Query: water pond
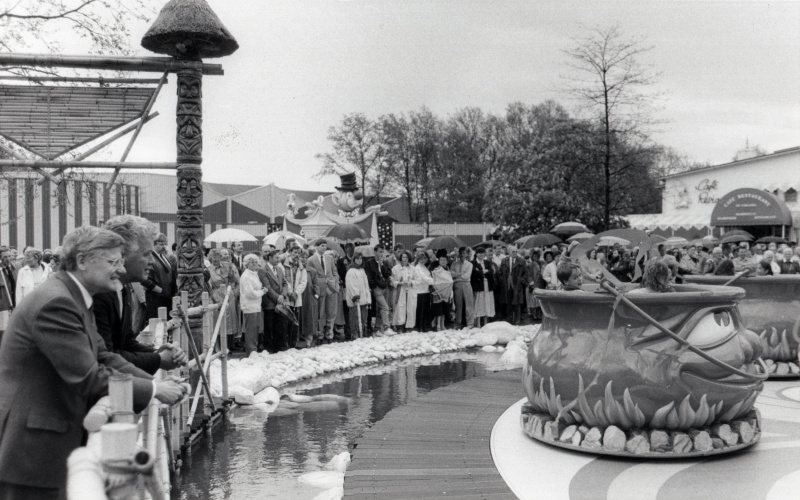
{"points": [[255, 454]]}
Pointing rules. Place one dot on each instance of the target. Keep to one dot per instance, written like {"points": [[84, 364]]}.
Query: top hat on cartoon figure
{"points": [[348, 196]]}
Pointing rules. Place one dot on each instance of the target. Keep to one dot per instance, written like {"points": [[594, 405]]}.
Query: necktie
{"points": [[324, 267]]}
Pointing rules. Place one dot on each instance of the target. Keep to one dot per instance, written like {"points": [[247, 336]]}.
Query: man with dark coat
{"points": [[54, 367], [378, 276], [161, 283], [273, 279], [514, 278], [113, 311]]}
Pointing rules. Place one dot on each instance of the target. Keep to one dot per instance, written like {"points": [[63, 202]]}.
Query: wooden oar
{"points": [[610, 288]]}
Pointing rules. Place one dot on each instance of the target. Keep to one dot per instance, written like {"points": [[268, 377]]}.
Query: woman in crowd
{"points": [[309, 312], [222, 273], [31, 274], [357, 295], [656, 278], [724, 268], [550, 270], [250, 302], [442, 290], [764, 268], [534, 281], [482, 283], [404, 278], [423, 291], [622, 265]]}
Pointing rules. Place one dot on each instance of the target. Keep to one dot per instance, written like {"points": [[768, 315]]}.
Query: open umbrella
{"points": [[676, 241], [447, 242], [490, 244], [772, 239], [365, 250], [332, 245], [580, 237], [566, 229], [278, 239], [735, 238], [423, 243], [610, 241], [538, 240], [739, 232], [347, 233], [229, 235]]}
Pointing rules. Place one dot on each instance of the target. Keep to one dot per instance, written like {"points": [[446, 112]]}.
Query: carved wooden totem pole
{"points": [[189, 31]]}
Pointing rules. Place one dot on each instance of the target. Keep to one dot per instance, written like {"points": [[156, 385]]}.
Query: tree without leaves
{"points": [[609, 82], [358, 146], [40, 25]]}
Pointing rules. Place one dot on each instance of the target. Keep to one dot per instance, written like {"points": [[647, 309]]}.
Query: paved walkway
{"points": [[437, 446]]}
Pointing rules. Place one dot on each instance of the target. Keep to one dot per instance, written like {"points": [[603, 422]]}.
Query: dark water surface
{"points": [[256, 454]]}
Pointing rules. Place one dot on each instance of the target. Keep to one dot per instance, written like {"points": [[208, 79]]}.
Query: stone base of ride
{"points": [[717, 439]]}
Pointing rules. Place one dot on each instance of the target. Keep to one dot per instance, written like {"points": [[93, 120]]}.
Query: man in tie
{"points": [[54, 367], [161, 283], [296, 285], [328, 284], [7, 285], [237, 257], [274, 281], [113, 311], [461, 270], [787, 265], [514, 273]]}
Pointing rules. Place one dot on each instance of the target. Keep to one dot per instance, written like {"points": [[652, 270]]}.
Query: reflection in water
{"points": [[260, 455]]}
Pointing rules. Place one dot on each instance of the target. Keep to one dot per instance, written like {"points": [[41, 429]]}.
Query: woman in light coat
{"points": [[357, 296], [442, 291], [32, 274], [423, 292], [251, 291], [404, 278]]}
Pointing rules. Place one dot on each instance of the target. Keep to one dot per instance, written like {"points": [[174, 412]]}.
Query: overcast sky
{"points": [[730, 71]]}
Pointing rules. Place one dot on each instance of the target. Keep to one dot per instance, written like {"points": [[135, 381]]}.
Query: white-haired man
{"points": [[54, 366], [114, 311]]}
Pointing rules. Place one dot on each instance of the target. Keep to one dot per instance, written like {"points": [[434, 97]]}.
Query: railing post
{"points": [[208, 327]]}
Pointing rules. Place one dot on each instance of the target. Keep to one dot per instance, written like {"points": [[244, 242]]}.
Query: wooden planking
{"points": [[436, 446], [51, 120]]}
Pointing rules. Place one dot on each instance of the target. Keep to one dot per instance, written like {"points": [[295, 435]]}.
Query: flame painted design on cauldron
{"points": [[599, 363]]}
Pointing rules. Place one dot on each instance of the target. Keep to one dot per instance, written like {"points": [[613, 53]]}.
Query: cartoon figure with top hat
{"points": [[348, 197]]}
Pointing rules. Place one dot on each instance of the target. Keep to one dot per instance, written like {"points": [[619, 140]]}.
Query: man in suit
{"points": [[514, 276], [113, 311], [328, 284], [464, 299], [787, 265], [237, 257], [54, 367], [273, 279], [161, 283], [7, 288], [296, 281]]}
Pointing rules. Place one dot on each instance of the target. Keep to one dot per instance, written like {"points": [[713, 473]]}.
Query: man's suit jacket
{"points": [[790, 267], [162, 276], [116, 328], [275, 283], [327, 277], [514, 280], [49, 378]]}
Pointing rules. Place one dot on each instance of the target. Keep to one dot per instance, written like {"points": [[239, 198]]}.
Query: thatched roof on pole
{"points": [[187, 28]]}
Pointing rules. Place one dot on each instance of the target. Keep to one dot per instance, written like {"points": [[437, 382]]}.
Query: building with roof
{"points": [[40, 215], [757, 193]]}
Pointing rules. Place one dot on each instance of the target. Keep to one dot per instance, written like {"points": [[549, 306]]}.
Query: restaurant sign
{"points": [[750, 207]]}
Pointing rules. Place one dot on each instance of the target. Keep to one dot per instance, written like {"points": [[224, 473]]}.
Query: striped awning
{"points": [[671, 221], [51, 120]]}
